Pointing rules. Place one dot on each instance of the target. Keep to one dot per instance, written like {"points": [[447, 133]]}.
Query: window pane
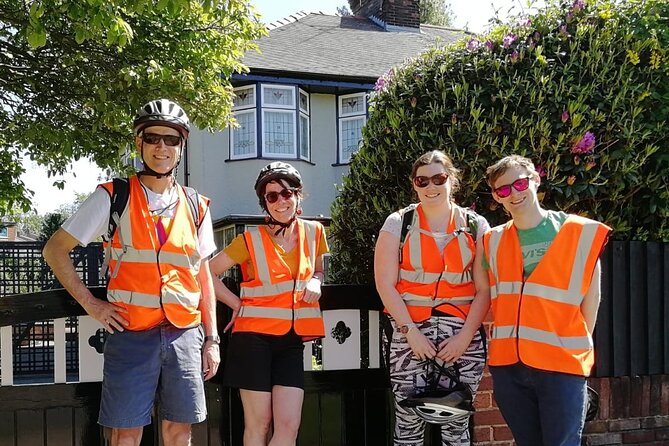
{"points": [[304, 136], [352, 105], [279, 129], [244, 97], [244, 136], [4, 233], [304, 102], [278, 96], [351, 134]]}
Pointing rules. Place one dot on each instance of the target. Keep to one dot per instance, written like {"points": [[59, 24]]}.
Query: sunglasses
{"points": [[437, 180], [273, 197], [154, 138], [520, 185]]}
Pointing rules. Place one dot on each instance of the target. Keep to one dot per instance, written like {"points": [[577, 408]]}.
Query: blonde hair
{"points": [[439, 157], [508, 162]]}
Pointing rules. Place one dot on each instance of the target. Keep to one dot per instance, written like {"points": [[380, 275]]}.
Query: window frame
{"points": [[254, 152], [265, 152]]}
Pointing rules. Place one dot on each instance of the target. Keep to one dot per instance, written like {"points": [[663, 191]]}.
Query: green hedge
{"points": [[580, 88]]}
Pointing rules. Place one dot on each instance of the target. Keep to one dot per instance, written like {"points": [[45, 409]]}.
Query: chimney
{"points": [[392, 15]]}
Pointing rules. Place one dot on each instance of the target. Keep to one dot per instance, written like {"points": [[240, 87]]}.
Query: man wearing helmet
{"points": [[160, 314], [276, 310]]}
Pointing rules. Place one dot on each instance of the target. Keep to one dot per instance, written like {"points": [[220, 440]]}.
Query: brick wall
{"points": [[405, 13], [633, 411]]}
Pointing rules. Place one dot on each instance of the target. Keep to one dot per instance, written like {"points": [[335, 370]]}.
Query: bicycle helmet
{"points": [[592, 404], [442, 406], [162, 112], [284, 173], [276, 171]]}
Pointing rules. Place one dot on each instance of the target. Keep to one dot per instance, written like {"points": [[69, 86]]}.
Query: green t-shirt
{"points": [[534, 242]]}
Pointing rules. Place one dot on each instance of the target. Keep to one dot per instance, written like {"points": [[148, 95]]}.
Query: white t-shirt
{"points": [[393, 225], [91, 219]]}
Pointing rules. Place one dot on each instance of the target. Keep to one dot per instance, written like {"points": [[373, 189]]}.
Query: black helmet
{"points": [[442, 406], [161, 112], [592, 404], [276, 171]]}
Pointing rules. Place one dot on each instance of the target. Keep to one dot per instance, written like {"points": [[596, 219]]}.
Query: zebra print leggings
{"points": [[409, 374]]}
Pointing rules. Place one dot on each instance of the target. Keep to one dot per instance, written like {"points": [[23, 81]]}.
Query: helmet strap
{"points": [[272, 222]]}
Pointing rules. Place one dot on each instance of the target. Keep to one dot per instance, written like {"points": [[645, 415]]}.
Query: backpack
{"points": [[119, 200], [407, 219]]}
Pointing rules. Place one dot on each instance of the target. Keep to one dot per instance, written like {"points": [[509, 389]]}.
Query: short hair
{"points": [[438, 156], [508, 162]]}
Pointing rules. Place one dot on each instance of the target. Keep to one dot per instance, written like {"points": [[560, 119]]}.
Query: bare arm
{"points": [[219, 264], [386, 270], [211, 357], [57, 254], [452, 348], [313, 292], [590, 304]]}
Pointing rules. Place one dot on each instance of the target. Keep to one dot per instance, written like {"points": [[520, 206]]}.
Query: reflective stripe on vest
{"points": [[154, 282], [544, 337], [272, 301], [426, 280], [538, 321]]}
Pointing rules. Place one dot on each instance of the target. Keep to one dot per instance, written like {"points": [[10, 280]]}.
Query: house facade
{"points": [[304, 101]]}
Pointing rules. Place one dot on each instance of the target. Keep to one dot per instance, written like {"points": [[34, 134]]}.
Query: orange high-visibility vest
{"points": [[272, 301], [426, 280], [538, 321], [154, 282]]}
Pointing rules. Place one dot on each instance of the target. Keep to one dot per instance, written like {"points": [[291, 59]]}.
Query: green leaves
{"points": [[478, 105], [73, 73]]}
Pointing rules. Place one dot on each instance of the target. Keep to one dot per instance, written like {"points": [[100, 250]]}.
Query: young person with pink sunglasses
{"points": [[544, 275]]}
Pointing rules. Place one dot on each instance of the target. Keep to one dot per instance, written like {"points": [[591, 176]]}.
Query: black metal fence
{"points": [[23, 270]]}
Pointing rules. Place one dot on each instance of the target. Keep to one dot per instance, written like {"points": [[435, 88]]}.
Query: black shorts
{"points": [[259, 361]]}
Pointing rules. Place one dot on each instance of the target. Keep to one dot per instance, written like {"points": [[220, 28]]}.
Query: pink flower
{"points": [[565, 116], [380, 84], [541, 171], [454, 118], [577, 5], [473, 44], [514, 56], [571, 180], [489, 44], [570, 16], [585, 145], [509, 39], [563, 31], [577, 160], [590, 164], [414, 101]]}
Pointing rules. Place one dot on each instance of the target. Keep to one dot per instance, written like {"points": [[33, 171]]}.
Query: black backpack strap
{"points": [[119, 200], [407, 220], [193, 198]]}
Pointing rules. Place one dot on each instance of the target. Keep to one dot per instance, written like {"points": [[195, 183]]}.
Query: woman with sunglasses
{"points": [[277, 309], [544, 274], [435, 291]]}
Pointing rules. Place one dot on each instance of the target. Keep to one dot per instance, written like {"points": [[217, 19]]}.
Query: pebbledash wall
{"points": [[631, 372]]}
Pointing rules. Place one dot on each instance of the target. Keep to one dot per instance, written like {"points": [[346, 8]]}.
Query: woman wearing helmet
{"points": [[277, 309], [436, 293]]}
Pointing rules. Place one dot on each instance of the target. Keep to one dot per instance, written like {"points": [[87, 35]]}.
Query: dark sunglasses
{"points": [[437, 180], [154, 138], [273, 197], [520, 185]]}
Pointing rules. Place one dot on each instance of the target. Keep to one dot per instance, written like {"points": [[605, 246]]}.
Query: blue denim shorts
{"points": [[162, 365]]}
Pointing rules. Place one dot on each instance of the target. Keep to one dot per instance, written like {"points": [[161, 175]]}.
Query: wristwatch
{"points": [[406, 328], [216, 339]]}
